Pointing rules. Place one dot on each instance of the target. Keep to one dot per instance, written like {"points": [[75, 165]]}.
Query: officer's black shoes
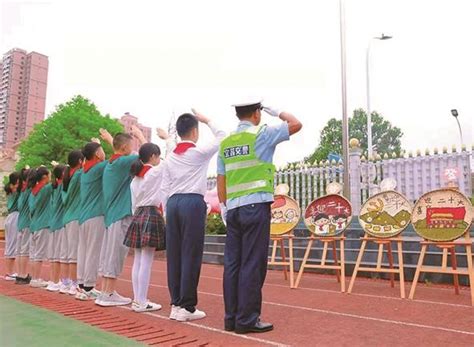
{"points": [[259, 327], [229, 327]]}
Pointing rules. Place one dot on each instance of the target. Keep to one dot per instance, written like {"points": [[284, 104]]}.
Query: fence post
{"points": [[354, 175]]}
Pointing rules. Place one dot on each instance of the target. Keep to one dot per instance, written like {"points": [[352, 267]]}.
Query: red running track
{"points": [[314, 314]]}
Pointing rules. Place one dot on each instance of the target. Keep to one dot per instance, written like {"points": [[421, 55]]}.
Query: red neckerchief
{"points": [[72, 171], [60, 181], [144, 170], [182, 147], [114, 157], [24, 185], [36, 189], [89, 164], [160, 209]]}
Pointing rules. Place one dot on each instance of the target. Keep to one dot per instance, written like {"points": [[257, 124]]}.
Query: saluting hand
{"points": [[272, 111], [162, 134], [105, 135], [200, 117]]}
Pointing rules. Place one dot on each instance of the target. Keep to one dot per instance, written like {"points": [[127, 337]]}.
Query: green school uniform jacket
{"points": [[116, 188], [92, 198], [12, 202], [72, 198], [40, 209], [24, 219], [57, 209]]}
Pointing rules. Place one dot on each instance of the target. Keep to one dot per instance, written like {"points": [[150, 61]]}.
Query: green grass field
{"points": [[27, 325]]}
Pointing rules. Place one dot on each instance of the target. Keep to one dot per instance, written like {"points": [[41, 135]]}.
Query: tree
{"points": [[69, 127], [386, 137]]}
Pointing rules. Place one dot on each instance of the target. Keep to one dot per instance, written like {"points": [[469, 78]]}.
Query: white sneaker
{"points": [[113, 299], [39, 283], [10, 277], [98, 300], [64, 289], [147, 307], [83, 295], [73, 289], [53, 287], [184, 315], [174, 312]]}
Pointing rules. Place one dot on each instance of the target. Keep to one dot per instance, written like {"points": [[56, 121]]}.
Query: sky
{"points": [[156, 58]]}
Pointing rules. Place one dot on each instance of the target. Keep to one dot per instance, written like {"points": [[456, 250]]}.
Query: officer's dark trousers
{"points": [[185, 224], [245, 263]]}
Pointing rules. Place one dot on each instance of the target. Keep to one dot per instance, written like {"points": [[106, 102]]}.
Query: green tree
{"points": [[386, 137], [69, 127]]}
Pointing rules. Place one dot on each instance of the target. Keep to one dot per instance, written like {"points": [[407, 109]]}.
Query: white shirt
{"points": [[187, 173], [146, 190]]}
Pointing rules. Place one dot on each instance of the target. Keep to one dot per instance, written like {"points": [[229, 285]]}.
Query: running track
{"points": [[314, 314]]}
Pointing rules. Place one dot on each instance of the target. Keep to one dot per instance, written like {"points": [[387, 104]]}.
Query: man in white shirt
{"points": [[185, 183]]}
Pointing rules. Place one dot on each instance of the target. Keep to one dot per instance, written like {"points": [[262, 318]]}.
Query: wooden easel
{"points": [[454, 270], [378, 268], [278, 240], [335, 265]]}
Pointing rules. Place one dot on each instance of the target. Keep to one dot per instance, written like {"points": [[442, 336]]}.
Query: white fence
{"points": [[415, 175]]}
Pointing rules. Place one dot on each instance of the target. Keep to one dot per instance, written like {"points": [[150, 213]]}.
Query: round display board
{"points": [[285, 215], [385, 214], [442, 215], [329, 215]]}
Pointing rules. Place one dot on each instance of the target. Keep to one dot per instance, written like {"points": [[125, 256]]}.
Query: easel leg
{"points": [[334, 255], [390, 263], [292, 270], [274, 250], [470, 269], [357, 265], [283, 258], [417, 272], [454, 265], [401, 269], [343, 264], [303, 263]]}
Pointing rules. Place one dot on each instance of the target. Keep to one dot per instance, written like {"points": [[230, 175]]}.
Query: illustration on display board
{"points": [[285, 212]]}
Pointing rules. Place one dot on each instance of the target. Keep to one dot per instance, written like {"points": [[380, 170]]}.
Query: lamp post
{"points": [[345, 123], [383, 37], [455, 114]]}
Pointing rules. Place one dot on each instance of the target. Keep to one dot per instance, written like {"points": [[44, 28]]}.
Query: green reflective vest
{"points": [[245, 172]]}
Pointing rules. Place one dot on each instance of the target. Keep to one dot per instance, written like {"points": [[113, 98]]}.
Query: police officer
{"points": [[245, 188]]}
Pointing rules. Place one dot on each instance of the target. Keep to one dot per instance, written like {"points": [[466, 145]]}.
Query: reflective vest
{"points": [[245, 172]]}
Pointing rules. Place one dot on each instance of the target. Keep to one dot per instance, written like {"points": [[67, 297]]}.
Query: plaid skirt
{"points": [[147, 229]]}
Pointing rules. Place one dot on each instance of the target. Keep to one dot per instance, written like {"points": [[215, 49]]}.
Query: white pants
{"points": [[91, 237], [11, 235]]}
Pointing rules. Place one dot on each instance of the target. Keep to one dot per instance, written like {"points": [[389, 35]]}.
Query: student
{"points": [[11, 225], [146, 233], [185, 182], [245, 188], [91, 220], [117, 207], [56, 228], [24, 220], [70, 236], [39, 204]]}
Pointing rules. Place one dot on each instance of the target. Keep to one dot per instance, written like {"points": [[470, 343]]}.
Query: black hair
{"points": [[73, 159], [320, 216], [90, 149], [23, 177], [37, 175], [343, 216], [31, 178], [14, 177], [121, 139], [185, 124], [58, 173], [244, 112], [7, 189], [144, 154]]}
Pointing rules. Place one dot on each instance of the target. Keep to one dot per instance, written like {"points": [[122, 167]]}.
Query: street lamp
{"points": [[455, 114], [383, 37]]}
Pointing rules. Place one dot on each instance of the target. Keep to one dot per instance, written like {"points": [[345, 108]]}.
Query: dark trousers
{"points": [[185, 224], [245, 263]]}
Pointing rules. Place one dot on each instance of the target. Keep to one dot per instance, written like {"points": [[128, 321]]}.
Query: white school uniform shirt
{"points": [[186, 173], [146, 190]]}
